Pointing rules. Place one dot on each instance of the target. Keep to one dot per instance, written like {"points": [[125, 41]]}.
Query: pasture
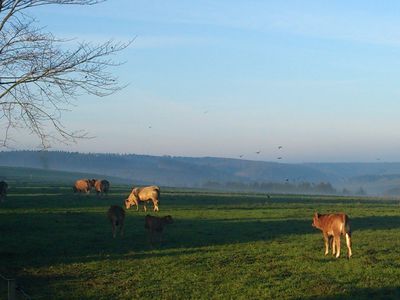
{"points": [[221, 246]]}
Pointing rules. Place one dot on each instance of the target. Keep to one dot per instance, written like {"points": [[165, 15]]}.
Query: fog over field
{"points": [[219, 173]]}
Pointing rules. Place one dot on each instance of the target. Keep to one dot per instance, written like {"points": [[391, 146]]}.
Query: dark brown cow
{"points": [[101, 187], [144, 194], [3, 190], [116, 215], [332, 227], [83, 186], [155, 225]]}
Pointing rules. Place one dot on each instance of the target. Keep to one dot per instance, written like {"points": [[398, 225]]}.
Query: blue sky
{"points": [[229, 78]]}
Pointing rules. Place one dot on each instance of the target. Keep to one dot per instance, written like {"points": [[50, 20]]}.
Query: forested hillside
{"points": [[219, 173]]}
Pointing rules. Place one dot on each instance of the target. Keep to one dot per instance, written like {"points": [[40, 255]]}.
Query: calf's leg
{"points": [[333, 245], [326, 241], [337, 242], [348, 243]]}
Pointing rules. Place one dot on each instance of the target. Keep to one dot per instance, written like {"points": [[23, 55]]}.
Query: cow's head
{"points": [[132, 199], [128, 203], [315, 222]]}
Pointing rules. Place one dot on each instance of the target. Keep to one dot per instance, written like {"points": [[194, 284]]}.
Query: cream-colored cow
{"points": [[144, 194]]}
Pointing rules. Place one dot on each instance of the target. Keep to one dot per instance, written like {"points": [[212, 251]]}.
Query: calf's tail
{"points": [[346, 227]]}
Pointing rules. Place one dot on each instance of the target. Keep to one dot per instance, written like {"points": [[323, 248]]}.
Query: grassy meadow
{"points": [[221, 246]]}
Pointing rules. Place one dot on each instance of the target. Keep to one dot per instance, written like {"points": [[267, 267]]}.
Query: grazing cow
{"points": [[144, 194], [155, 225], [101, 187], [116, 215], [83, 186], [3, 190], [332, 227]]}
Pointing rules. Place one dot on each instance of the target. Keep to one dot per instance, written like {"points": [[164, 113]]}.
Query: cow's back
{"points": [[149, 192], [153, 223], [116, 212], [334, 223], [82, 185]]}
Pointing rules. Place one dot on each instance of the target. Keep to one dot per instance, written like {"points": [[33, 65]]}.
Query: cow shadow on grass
{"points": [[252, 201], [375, 223], [54, 238], [37, 239]]}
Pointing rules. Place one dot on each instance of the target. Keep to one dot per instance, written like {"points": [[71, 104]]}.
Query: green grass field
{"points": [[221, 246]]}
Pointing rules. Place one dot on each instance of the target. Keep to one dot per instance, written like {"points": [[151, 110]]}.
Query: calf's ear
{"points": [[316, 215]]}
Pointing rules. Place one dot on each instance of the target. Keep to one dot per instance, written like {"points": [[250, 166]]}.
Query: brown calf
{"points": [[83, 186], [332, 227], [101, 186], [155, 225], [116, 215]]}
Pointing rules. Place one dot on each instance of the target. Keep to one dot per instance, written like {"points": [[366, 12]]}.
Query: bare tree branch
{"points": [[40, 75]]}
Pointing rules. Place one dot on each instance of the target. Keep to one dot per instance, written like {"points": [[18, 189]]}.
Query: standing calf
{"points": [[332, 227], [155, 225], [116, 215], [83, 186], [101, 186]]}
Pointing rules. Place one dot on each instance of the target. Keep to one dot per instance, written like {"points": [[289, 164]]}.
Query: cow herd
{"points": [[333, 226], [101, 186], [116, 214]]}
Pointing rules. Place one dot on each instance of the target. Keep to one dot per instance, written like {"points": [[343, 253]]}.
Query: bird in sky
{"points": [[241, 155], [279, 157], [258, 152], [280, 147]]}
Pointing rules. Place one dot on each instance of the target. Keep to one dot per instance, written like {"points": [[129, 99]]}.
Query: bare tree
{"points": [[41, 75]]}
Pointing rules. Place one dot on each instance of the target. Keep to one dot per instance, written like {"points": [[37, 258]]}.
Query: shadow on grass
{"points": [[40, 239], [62, 237], [250, 200], [365, 293], [49, 238], [375, 223], [46, 239]]}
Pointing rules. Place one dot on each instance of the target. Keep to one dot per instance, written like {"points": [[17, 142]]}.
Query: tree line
{"points": [[321, 188]]}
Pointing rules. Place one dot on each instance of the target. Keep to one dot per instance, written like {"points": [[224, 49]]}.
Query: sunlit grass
{"points": [[221, 246]]}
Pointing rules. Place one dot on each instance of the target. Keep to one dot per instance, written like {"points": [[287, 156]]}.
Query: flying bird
{"points": [[258, 152], [241, 155], [280, 147], [279, 157]]}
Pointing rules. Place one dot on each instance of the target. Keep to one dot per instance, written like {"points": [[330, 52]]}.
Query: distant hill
{"points": [[374, 178], [22, 175], [163, 170]]}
